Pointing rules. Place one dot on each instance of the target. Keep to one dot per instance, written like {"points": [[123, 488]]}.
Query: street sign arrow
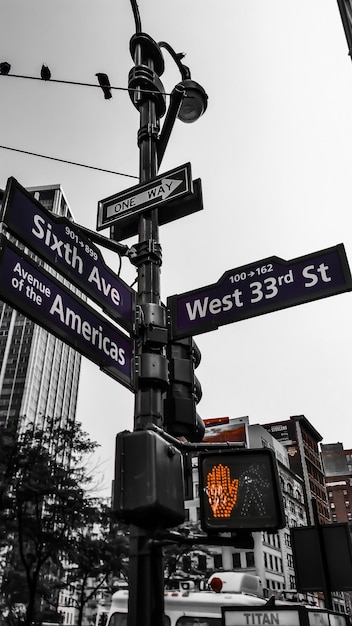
{"points": [[149, 197], [268, 285], [38, 295], [170, 210], [127, 205], [69, 250]]}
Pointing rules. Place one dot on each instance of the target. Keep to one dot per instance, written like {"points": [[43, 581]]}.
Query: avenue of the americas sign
{"points": [[268, 285], [39, 296], [69, 251]]}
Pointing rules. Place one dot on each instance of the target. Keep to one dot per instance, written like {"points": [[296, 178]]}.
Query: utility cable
{"points": [[64, 82], [80, 84], [91, 167]]}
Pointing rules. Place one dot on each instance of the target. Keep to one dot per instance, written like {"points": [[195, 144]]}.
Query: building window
{"points": [[202, 561], [250, 559], [236, 560], [290, 560], [217, 561], [347, 504], [186, 563], [292, 582], [332, 505]]}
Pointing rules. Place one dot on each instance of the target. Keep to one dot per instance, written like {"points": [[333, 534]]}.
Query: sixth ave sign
{"points": [[268, 285]]}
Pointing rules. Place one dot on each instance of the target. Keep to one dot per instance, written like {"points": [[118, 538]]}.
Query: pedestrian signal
{"points": [[240, 490]]}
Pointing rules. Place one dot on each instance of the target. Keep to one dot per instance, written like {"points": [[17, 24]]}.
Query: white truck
{"points": [[233, 599], [188, 607]]}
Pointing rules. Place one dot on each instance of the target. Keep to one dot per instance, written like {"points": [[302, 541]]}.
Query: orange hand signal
{"points": [[221, 491]]}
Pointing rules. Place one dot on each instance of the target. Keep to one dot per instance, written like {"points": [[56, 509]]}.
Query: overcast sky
{"points": [[273, 152]]}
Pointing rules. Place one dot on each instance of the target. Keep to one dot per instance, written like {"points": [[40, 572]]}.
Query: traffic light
{"points": [[148, 487], [184, 391], [239, 490]]}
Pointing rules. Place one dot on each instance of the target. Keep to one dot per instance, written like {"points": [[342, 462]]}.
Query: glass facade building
{"points": [[39, 374]]}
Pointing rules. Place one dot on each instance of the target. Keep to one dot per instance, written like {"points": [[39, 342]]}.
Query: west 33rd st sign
{"points": [[258, 288]]}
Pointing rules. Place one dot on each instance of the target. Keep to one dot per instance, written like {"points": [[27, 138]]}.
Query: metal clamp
{"points": [[145, 251], [144, 83], [152, 319], [152, 368]]}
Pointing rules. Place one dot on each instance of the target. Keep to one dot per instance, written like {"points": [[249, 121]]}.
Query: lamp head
{"points": [[194, 103]]}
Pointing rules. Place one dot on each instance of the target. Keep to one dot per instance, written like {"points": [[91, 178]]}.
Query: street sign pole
{"points": [[325, 570], [146, 598]]}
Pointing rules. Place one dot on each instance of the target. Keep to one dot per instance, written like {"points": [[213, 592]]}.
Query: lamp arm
{"points": [[176, 100], [177, 56], [136, 15]]}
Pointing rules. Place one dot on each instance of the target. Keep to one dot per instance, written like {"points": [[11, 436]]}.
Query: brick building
{"points": [[338, 480]]}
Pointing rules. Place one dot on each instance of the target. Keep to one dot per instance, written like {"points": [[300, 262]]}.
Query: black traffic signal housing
{"points": [[184, 391], [239, 490], [148, 488]]}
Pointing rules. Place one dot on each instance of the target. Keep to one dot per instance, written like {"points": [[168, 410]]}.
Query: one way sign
{"points": [[176, 183]]}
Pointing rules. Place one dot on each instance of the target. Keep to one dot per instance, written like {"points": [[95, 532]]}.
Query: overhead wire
{"points": [[51, 158], [57, 80], [81, 84]]}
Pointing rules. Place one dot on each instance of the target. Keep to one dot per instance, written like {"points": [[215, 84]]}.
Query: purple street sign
{"points": [[268, 285], [64, 245], [41, 297]]}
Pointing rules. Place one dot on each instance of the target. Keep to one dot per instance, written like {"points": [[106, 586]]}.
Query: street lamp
{"points": [[195, 99], [194, 103], [188, 101]]}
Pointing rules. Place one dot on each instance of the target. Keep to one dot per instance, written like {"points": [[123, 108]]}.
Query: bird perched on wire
{"points": [[45, 73], [104, 84], [5, 67]]}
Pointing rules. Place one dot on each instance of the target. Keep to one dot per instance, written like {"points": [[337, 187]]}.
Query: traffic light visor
{"points": [[240, 490]]}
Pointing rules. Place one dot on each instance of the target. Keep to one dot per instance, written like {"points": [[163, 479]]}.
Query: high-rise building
{"points": [[39, 374], [273, 552], [301, 440]]}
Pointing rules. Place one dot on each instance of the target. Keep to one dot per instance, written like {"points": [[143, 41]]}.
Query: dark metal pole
{"points": [[325, 570], [146, 576]]}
